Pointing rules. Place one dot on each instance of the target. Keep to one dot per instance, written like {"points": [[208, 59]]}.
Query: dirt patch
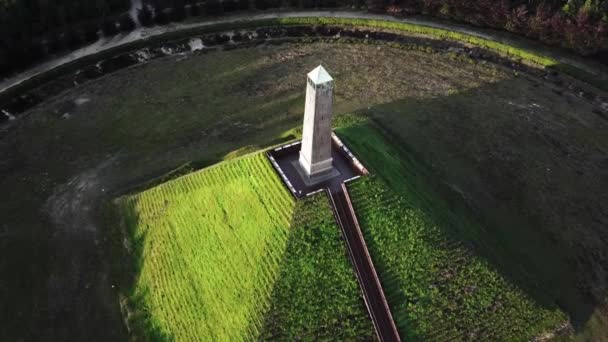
{"points": [[78, 285]]}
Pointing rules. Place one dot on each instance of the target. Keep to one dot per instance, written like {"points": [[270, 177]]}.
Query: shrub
{"points": [[145, 16], [195, 10], [517, 19], [73, 38], [306, 3], [539, 25], [34, 52], [584, 35], [266, 4], [5, 66], [109, 27], [579, 25], [126, 23], [571, 7], [53, 43], [178, 14], [328, 3], [160, 17], [90, 32], [213, 7], [229, 6], [243, 5], [495, 13], [21, 55], [394, 9]]}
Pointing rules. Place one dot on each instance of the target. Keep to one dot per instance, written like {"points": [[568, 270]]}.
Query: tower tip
{"points": [[319, 75]]}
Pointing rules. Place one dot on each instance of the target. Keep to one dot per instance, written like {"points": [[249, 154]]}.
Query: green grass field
{"points": [[219, 257], [438, 286], [492, 136], [316, 296]]}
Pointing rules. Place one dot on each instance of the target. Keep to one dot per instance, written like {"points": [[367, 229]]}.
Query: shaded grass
{"points": [[226, 254], [316, 296], [437, 284]]}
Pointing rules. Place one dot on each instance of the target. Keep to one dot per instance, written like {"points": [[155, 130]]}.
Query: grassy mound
{"points": [[438, 286], [219, 258], [315, 297]]}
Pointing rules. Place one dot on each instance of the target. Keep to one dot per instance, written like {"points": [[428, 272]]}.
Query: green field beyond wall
{"points": [[437, 285], [227, 254]]}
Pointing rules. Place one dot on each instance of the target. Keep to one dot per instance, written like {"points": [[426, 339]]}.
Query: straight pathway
{"points": [[373, 294]]}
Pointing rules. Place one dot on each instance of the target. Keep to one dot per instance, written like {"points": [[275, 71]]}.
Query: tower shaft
{"points": [[315, 154]]}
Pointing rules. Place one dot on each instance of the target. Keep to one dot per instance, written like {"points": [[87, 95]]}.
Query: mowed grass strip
{"points": [[210, 246], [437, 286]]}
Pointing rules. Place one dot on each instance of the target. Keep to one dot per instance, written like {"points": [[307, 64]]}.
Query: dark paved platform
{"points": [[286, 157]]}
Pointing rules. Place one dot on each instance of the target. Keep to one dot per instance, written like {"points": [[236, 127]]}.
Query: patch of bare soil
{"points": [[78, 285]]}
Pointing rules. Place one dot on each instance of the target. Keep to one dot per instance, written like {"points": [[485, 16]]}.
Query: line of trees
{"points": [[580, 25], [33, 29], [232, 5]]}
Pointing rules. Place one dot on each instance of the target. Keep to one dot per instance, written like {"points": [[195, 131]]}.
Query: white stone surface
{"points": [[315, 154], [196, 44], [319, 75]]}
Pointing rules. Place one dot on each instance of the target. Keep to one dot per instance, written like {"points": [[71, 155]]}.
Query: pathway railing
{"points": [[370, 285]]}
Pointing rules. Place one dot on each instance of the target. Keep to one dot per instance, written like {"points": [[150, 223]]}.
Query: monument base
{"points": [[318, 167], [317, 177]]}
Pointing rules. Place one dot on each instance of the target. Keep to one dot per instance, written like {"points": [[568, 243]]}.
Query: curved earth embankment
{"points": [[145, 33]]}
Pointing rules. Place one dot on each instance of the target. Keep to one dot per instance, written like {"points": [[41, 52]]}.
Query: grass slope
{"points": [[438, 287], [210, 244], [213, 244], [317, 295]]}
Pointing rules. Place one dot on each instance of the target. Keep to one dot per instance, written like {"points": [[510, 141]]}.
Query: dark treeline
{"points": [[33, 29], [579, 25]]}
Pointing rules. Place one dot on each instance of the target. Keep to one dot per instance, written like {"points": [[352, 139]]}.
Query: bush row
{"points": [[36, 17], [17, 54], [579, 25], [31, 28]]}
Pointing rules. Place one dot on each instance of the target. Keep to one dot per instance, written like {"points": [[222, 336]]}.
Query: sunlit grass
{"points": [[226, 254]]}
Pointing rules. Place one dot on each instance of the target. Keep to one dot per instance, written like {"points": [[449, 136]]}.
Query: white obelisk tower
{"points": [[315, 155]]}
